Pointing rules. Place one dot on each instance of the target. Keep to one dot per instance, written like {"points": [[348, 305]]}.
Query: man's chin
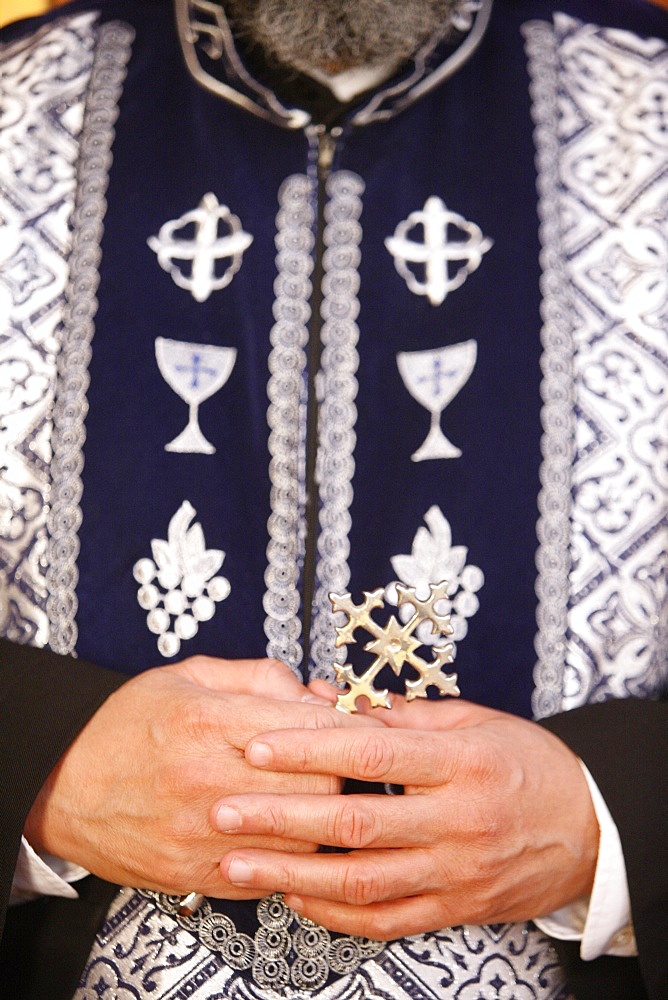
{"points": [[338, 35]]}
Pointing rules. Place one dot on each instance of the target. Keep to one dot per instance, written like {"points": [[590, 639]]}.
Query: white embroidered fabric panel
{"points": [[600, 105], [141, 950], [45, 78], [338, 413], [287, 418]]}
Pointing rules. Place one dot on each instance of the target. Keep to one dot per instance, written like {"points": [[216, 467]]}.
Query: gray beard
{"points": [[334, 35]]}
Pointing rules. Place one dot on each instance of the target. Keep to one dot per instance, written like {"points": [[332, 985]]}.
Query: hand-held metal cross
{"points": [[394, 644]]}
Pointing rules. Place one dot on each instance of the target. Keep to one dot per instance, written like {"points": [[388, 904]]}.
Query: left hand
{"points": [[130, 797], [496, 823]]}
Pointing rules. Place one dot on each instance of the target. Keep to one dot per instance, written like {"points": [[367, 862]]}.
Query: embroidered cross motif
{"points": [[437, 250], [195, 369], [204, 249], [436, 375], [394, 645]]}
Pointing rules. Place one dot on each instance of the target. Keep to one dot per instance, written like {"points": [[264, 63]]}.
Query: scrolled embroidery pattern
{"points": [[145, 946], [602, 528], [42, 144]]}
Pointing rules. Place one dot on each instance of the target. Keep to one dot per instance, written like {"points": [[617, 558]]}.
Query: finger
{"points": [[358, 879], [441, 713], [385, 921], [323, 689], [252, 716], [261, 677], [352, 821], [369, 753]]}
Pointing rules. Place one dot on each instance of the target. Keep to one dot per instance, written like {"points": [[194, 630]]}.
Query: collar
{"points": [[219, 65]]}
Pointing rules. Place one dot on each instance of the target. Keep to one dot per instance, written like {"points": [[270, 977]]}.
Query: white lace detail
{"points": [[179, 587], [144, 949], [433, 559], [287, 418], [603, 188], [552, 559], [47, 75], [338, 413]]}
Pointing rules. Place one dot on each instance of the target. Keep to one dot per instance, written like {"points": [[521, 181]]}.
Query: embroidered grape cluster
{"points": [[434, 557], [179, 587]]}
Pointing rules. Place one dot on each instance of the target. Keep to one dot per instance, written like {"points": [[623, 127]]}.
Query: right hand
{"points": [[131, 798]]}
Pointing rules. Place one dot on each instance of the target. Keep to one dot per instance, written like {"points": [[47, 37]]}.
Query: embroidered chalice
{"points": [[194, 372]]}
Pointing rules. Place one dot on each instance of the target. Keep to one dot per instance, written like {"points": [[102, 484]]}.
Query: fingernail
{"points": [[259, 754], [239, 872], [228, 820]]}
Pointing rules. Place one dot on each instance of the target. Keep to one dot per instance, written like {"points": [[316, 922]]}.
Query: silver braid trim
{"points": [[287, 418], [109, 70], [558, 443], [338, 413]]}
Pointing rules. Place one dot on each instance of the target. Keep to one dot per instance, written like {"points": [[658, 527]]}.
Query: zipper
{"points": [[326, 140]]}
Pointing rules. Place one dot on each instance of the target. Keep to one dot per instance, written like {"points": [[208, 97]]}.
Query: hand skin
{"points": [[130, 799], [496, 823]]}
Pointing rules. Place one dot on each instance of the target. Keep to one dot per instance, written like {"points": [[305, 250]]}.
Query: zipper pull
{"points": [[326, 148]]}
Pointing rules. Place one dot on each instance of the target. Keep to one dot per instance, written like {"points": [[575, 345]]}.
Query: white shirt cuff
{"points": [[43, 875], [601, 922]]}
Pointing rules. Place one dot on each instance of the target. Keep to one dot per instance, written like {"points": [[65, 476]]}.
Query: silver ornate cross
{"points": [[394, 644]]}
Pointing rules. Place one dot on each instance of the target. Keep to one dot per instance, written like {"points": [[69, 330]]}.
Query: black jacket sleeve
{"points": [[45, 700], [624, 744]]}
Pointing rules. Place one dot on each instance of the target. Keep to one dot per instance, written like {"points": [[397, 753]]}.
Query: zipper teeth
{"points": [[326, 148]]}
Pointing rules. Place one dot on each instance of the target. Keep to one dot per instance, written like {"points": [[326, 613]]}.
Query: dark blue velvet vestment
{"points": [[469, 142], [466, 143]]}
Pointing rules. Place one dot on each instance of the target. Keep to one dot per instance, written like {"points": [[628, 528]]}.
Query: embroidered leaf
{"points": [[165, 558], [179, 525], [432, 556], [194, 542], [435, 558], [439, 526], [404, 567], [423, 551], [208, 564], [184, 568], [456, 558]]}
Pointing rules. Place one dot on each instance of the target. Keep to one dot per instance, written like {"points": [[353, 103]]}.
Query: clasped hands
{"points": [[229, 792], [495, 824]]}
